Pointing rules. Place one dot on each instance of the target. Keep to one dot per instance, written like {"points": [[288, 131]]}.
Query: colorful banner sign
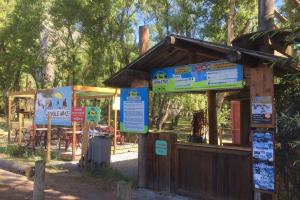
{"points": [[134, 110], [93, 114], [78, 114], [195, 77], [263, 161], [161, 148], [57, 102], [262, 110]]}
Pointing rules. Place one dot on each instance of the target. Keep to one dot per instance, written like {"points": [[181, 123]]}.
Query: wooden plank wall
{"points": [[213, 172], [159, 169]]}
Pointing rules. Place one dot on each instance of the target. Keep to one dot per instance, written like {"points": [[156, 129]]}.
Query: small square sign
{"points": [[161, 148], [78, 114]]}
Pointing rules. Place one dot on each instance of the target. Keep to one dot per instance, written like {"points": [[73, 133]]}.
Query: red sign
{"points": [[78, 114]]}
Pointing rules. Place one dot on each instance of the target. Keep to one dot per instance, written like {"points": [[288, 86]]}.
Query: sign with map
{"points": [[195, 77], [55, 101], [134, 110]]}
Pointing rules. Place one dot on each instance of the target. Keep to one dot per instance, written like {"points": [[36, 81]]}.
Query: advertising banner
{"points": [[57, 102], [93, 114], [78, 114], [262, 110], [263, 161], [134, 110], [195, 77]]}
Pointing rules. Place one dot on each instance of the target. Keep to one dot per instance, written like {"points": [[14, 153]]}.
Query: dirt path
{"points": [[58, 186]]}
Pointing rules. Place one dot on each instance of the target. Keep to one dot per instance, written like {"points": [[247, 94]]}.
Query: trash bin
{"points": [[100, 150]]}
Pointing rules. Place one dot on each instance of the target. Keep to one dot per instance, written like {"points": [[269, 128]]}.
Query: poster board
{"points": [[196, 77], [134, 110], [78, 114], [92, 114], [57, 102], [263, 161], [262, 110]]}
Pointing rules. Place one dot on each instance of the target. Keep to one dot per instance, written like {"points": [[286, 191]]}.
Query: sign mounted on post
{"points": [[161, 148], [134, 110], [262, 110], [92, 114], [195, 77], [78, 114], [57, 102], [263, 161], [116, 103]]}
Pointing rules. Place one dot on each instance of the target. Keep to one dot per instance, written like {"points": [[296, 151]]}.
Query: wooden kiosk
{"points": [[204, 171]]}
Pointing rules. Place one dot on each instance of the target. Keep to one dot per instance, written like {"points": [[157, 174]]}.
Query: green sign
{"points": [[196, 77], [161, 148], [92, 114]]}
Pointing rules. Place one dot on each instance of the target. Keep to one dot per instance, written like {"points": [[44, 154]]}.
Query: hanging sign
{"points": [[195, 77], [78, 114], [134, 110], [262, 110], [92, 114], [263, 161], [116, 103], [57, 102], [161, 148]]}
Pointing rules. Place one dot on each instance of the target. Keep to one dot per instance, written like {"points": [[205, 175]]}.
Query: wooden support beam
{"points": [[115, 130], [20, 136], [9, 118], [49, 138], [212, 117], [74, 128], [109, 112], [85, 139]]}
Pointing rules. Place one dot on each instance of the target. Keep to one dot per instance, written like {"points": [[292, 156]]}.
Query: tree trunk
{"points": [[164, 116], [230, 22]]}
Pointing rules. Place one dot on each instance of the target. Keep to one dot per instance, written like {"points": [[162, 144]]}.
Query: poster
{"points": [[116, 103], [57, 102], [202, 76], [93, 114], [78, 114], [263, 161], [134, 110], [262, 110], [161, 148]]}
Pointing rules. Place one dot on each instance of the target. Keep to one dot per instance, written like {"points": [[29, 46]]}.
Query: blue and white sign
{"points": [[263, 161], [57, 102], [134, 110]]}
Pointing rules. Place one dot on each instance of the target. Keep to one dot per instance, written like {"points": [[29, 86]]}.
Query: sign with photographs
{"points": [[263, 161], [57, 102], [262, 110]]}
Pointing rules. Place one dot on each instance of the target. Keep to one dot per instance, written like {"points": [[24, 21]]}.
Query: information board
{"points": [[202, 76], [57, 102], [161, 148], [263, 161], [78, 114], [134, 110], [92, 114], [262, 110]]}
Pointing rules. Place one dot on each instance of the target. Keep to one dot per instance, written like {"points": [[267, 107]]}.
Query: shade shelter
{"points": [[206, 171], [80, 93], [11, 95]]}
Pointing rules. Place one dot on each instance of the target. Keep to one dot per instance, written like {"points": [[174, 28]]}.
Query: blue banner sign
{"points": [[57, 102], [194, 77], [134, 110]]}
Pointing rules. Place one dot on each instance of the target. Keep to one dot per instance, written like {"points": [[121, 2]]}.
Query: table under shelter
{"points": [[205, 171]]}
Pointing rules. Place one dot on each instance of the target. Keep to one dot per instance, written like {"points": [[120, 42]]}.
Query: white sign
{"points": [[116, 103]]}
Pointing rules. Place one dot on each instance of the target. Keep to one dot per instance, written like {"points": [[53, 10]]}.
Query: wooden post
{"points": [[142, 138], [109, 111], [49, 138], [20, 136], [39, 181], [85, 139], [212, 118], [115, 131], [74, 129], [9, 118]]}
